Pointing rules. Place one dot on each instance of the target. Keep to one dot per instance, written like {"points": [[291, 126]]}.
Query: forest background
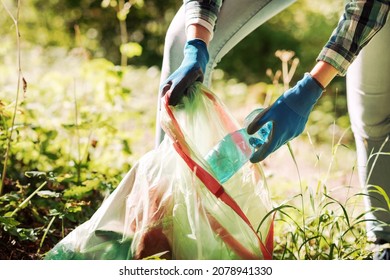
{"points": [[78, 89]]}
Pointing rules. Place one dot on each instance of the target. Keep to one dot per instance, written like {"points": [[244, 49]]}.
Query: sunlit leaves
{"points": [[131, 49]]}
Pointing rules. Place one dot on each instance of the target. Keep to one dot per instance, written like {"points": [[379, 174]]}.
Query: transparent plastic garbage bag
{"points": [[169, 206]]}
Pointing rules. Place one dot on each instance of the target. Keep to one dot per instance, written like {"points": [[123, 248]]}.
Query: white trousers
{"points": [[236, 20], [368, 96]]}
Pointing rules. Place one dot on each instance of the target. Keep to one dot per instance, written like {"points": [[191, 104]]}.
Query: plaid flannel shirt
{"points": [[359, 23], [203, 12]]}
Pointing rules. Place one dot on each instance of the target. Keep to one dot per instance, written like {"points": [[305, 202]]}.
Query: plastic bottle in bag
{"points": [[235, 149]]}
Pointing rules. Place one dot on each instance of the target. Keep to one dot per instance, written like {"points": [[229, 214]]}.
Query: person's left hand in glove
{"points": [[193, 66], [290, 112]]}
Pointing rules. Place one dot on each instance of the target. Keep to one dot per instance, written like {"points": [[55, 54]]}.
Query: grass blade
{"points": [[21, 205]]}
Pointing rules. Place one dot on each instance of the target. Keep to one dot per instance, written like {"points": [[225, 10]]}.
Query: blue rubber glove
{"points": [[192, 68], [288, 114]]}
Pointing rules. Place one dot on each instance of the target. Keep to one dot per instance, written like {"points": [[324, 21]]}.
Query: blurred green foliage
{"points": [[94, 25], [78, 130], [304, 28]]}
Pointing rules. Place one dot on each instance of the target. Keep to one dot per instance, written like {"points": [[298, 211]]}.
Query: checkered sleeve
{"points": [[202, 12], [359, 23]]}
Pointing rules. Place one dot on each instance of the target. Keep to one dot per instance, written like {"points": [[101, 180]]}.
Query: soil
{"points": [[12, 249]]}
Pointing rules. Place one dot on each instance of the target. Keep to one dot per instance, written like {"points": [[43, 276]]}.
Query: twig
{"points": [[123, 30], [45, 233], [20, 79], [76, 113]]}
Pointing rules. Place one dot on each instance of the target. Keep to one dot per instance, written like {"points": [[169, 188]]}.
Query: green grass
{"points": [[322, 221]]}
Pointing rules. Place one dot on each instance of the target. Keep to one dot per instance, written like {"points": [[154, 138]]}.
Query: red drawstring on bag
{"points": [[217, 189]]}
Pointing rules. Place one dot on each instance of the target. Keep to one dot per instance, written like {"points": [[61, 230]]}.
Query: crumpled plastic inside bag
{"points": [[169, 206]]}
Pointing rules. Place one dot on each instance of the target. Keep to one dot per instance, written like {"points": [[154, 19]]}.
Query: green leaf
{"points": [[382, 192], [138, 3], [81, 191], [122, 14], [105, 3], [9, 222], [73, 208], [36, 174], [131, 49], [77, 192], [47, 194], [25, 234]]}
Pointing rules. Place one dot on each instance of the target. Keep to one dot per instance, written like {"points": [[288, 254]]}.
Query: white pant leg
{"points": [[237, 19], [368, 93]]}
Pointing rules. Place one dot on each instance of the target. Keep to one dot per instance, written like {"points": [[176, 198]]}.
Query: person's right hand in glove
{"points": [[192, 68], [288, 114]]}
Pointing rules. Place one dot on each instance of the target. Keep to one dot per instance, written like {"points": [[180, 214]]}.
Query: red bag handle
{"points": [[213, 185]]}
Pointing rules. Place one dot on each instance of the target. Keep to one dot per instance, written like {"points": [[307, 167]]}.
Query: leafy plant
{"points": [[75, 136]]}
